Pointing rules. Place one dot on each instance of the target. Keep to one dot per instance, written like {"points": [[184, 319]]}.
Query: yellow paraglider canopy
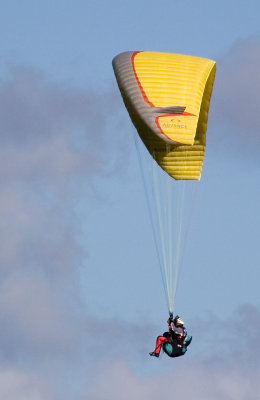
{"points": [[167, 96]]}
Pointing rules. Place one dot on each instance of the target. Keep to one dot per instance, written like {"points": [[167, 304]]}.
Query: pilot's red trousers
{"points": [[159, 342]]}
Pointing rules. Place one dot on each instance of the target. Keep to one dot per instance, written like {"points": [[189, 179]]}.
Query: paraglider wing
{"points": [[167, 96]]}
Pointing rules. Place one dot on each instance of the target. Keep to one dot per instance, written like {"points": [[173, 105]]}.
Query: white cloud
{"points": [[53, 143], [184, 380], [238, 85], [52, 130], [16, 384], [236, 100]]}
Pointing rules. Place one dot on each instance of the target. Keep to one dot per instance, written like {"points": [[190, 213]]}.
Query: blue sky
{"points": [[81, 300]]}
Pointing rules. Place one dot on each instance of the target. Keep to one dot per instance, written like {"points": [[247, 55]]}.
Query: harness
{"points": [[174, 344]]}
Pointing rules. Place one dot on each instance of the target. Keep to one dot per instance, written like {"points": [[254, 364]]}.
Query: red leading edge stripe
{"points": [[137, 79]]}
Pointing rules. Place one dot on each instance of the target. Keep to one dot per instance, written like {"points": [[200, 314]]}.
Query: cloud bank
{"points": [[54, 145], [236, 100]]}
